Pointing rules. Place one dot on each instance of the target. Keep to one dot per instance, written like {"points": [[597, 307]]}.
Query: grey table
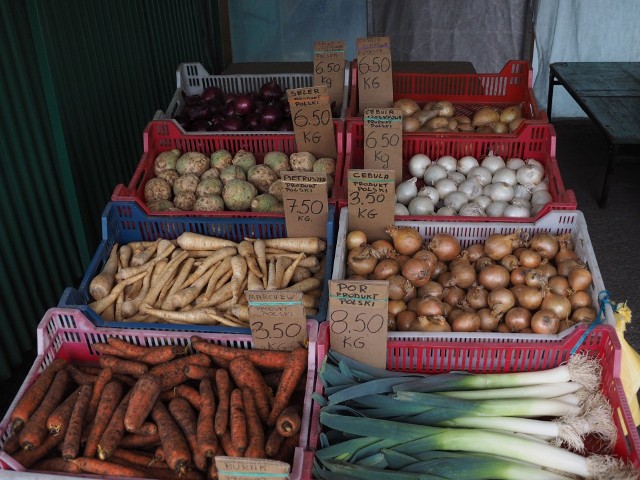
{"points": [[609, 93]]}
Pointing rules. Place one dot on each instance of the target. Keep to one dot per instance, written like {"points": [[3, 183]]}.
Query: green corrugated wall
{"points": [[80, 79]]}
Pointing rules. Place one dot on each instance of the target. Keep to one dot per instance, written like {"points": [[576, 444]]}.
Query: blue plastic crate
{"points": [[124, 222]]}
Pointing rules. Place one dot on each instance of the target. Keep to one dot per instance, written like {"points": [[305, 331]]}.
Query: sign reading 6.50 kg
{"points": [[312, 120], [383, 139], [375, 80]]}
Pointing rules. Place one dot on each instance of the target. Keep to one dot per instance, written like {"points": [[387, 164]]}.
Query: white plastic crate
{"points": [[555, 222], [193, 78]]}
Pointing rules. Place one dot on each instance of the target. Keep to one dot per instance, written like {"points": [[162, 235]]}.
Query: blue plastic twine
{"points": [[603, 300]]}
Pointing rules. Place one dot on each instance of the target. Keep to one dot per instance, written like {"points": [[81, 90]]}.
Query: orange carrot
{"points": [[176, 449], [245, 375], [110, 469], [134, 457], [148, 428], [80, 377], [107, 349], [35, 430], [229, 447], [172, 373], [115, 430], [135, 440], [255, 447], [120, 365], [237, 421], [59, 418], [26, 458], [207, 441], [190, 394], [212, 472], [56, 464], [162, 354], [143, 396], [159, 454], [109, 401], [295, 368], [11, 445], [71, 444], [273, 443], [289, 421], [272, 379], [272, 359], [125, 379], [197, 372], [288, 447], [223, 384], [186, 419], [104, 377], [34, 395]]}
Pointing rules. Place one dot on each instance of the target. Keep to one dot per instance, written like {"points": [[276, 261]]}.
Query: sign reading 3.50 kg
{"points": [[371, 201], [358, 315], [312, 120]]}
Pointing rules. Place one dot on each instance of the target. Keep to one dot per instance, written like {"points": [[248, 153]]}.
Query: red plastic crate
{"points": [[537, 141], [163, 135], [67, 333], [501, 357]]}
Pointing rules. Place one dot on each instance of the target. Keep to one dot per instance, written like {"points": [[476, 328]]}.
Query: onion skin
{"points": [[566, 266], [498, 246], [483, 262], [494, 276], [579, 299], [361, 261], [501, 300], [545, 244], [545, 322], [529, 297], [477, 297], [517, 319], [399, 287], [518, 275], [464, 275], [385, 269], [384, 248], [510, 262], [488, 321], [584, 314], [559, 285], [433, 324], [446, 247], [431, 289], [529, 258], [475, 251], [557, 304], [417, 271], [429, 306], [396, 306], [579, 278], [439, 268], [404, 320], [453, 296], [356, 238], [466, 322], [406, 240]]}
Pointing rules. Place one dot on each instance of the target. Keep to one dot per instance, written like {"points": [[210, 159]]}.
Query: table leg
{"points": [[552, 84], [613, 151]]}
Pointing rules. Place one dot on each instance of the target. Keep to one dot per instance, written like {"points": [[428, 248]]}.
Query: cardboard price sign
{"points": [[312, 120], [304, 195], [236, 468], [358, 312], [383, 139], [375, 81], [371, 201], [277, 319], [328, 69]]}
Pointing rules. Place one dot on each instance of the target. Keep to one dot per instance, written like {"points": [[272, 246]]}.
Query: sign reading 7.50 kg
{"points": [[312, 121]]}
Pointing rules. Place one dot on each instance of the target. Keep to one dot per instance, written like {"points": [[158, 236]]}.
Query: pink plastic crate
{"points": [[66, 333], [507, 356]]}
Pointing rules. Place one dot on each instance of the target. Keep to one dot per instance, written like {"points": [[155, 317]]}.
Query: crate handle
{"points": [[603, 299]]}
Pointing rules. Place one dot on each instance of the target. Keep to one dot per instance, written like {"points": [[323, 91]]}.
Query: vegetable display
{"points": [[193, 181], [198, 279], [385, 424], [491, 187], [508, 283], [159, 424]]}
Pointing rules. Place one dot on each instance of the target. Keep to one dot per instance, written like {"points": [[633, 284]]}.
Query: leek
{"points": [[549, 390]]}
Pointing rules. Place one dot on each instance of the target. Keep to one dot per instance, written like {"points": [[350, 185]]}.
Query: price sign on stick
{"points": [[383, 139], [236, 468], [375, 81], [358, 312], [328, 69], [304, 195], [371, 201], [277, 319], [312, 120]]}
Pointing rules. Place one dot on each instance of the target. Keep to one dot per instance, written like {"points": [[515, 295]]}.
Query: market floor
{"points": [[614, 231]]}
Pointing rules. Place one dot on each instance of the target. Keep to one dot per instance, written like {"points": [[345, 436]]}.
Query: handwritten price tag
{"points": [[375, 80], [371, 201], [328, 69], [358, 312], [383, 139], [305, 204], [235, 468], [312, 121], [277, 319]]}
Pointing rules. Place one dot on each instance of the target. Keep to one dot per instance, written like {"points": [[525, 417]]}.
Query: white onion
{"points": [[455, 200], [446, 211], [515, 163], [535, 208], [541, 197], [505, 175], [501, 191], [522, 191], [520, 202], [433, 173], [531, 161], [486, 190], [495, 209], [543, 185], [406, 191], [471, 188], [481, 174], [445, 186], [448, 162], [418, 164], [529, 175], [492, 162], [421, 206], [483, 201], [472, 209], [457, 177], [429, 192], [467, 163], [515, 211], [401, 209]]}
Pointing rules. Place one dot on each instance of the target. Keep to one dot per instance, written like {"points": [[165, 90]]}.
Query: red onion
{"points": [[270, 91], [232, 124], [271, 115], [253, 121], [244, 104], [213, 93], [192, 99]]}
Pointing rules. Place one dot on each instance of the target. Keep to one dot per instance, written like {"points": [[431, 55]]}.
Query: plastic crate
{"points": [[68, 334], [440, 356], [533, 141], [163, 135], [556, 222], [125, 222]]}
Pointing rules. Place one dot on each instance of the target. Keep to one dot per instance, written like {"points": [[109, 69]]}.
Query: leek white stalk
{"points": [[547, 390]]}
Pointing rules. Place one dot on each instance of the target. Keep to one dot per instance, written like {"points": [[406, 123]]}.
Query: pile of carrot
{"points": [[160, 411], [198, 279]]}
